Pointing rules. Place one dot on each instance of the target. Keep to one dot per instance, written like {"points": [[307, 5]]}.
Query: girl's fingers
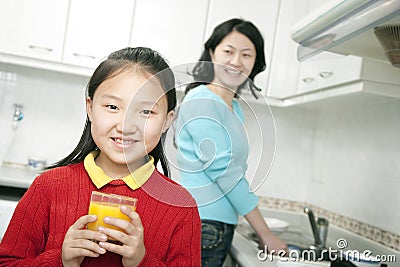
{"points": [[87, 248], [82, 221], [133, 215]]}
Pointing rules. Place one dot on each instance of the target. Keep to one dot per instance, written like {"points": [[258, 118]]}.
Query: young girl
{"points": [[213, 147], [130, 105]]}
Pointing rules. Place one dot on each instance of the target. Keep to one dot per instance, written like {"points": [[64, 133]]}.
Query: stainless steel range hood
{"points": [[345, 27]]}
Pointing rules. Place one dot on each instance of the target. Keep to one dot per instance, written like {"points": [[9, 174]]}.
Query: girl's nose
{"points": [[128, 124]]}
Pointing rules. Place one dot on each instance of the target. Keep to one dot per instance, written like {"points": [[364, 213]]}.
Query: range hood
{"points": [[345, 27]]}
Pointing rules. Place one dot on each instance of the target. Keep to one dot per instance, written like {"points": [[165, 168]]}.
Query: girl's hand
{"points": [[78, 242], [132, 249]]}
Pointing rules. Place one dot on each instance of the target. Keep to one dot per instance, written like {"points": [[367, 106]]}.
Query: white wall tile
{"points": [[54, 113]]}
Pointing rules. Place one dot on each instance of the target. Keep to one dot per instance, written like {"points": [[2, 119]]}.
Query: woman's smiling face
{"points": [[128, 114], [234, 56]]}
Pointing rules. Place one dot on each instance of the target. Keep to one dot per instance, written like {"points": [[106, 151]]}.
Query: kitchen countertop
{"points": [[19, 177]]}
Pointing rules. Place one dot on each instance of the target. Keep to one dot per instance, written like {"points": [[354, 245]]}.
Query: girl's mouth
{"points": [[122, 141]]}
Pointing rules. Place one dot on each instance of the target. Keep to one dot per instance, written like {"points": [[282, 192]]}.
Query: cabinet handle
{"points": [[308, 80], [83, 55], [325, 74], [35, 47]]}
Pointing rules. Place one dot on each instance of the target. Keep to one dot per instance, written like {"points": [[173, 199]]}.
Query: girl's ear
{"points": [[89, 104], [168, 121]]}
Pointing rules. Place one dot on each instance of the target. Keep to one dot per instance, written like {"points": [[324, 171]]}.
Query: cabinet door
{"points": [[328, 70], [95, 29], [262, 13], [33, 29], [175, 28], [284, 67]]}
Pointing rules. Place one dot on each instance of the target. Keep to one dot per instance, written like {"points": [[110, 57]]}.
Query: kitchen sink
{"points": [[300, 246]]}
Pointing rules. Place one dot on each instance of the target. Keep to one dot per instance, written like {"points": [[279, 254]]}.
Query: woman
{"points": [[211, 138]]}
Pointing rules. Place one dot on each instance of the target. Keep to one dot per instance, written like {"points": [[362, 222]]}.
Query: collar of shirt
{"points": [[134, 180]]}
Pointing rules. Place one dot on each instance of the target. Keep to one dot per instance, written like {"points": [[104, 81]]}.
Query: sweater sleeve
{"points": [[207, 144], [185, 246], [25, 238]]}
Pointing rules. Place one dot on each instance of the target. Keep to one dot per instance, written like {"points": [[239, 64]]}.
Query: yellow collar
{"points": [[134, 180]]}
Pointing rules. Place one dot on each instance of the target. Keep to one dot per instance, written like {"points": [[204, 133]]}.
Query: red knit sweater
{"points": [[58, 197]]}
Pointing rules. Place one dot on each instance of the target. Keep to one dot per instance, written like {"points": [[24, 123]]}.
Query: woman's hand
{"points": [[78, 242], [274, 244], [132, 249]]}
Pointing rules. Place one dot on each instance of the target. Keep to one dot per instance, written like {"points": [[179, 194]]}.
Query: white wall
{"points": [[289, 171], [356, 163], [345, 159], [54, 113]]}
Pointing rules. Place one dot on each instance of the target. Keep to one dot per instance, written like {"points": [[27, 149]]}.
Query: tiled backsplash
{"points": [[373, 233]]}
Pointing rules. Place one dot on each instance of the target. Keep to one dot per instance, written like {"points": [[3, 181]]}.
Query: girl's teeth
{"points": [[122, 141]]}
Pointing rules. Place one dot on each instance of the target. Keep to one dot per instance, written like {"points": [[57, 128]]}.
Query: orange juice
{"points": [[108, 205], [102, 210]]}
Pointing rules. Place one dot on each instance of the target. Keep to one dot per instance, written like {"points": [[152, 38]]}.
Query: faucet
{"points": [[319, 228], [18, 115]]}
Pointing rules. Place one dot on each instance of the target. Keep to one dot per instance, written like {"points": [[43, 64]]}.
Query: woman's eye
{"points": [[247, 55], [227, 51], [112, 107]]}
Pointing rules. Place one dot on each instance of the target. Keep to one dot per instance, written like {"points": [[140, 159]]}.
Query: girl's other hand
{"points": [[78, 242], [132, 249]]}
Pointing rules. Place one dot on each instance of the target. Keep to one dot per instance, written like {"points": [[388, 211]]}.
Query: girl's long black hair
{"points": [[146, 60], [203, 71]]}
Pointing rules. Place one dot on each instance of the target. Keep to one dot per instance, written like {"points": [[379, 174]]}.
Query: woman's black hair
{"points": [[203, 72], [144, 59]]}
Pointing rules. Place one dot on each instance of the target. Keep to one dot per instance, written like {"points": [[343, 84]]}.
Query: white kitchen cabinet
{"points": [[263, 14], [175, 28], [33, 29], [332, 70], [95, 29], [336, 70], [284, 67]]}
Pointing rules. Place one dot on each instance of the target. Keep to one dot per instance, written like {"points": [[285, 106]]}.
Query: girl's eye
{"points": [[112, 107], [247, 55], [227, 51], [146, 112]]}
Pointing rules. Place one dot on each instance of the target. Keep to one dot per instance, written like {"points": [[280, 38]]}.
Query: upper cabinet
{"points": [[284, 67], [95, 29], [324, 76], [76, 35], [262, 13], [175, 28], [33, 29]]}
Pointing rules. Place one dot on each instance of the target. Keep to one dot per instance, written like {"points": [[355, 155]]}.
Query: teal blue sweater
{"points": [[212, 156]]}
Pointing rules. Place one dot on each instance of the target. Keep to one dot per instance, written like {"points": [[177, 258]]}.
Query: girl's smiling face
{"points": [[128, 114]]}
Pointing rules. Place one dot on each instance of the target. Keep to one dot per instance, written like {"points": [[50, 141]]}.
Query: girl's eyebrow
{"points": [[110, 96], [149, 102]]}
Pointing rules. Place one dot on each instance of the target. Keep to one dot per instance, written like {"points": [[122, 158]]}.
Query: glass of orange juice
{"points": [[108, 205]]}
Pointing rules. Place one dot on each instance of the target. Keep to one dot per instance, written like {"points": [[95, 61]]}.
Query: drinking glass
{"points": [[108, 205]]}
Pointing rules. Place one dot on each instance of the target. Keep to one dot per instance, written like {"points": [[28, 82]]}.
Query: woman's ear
{"points": [[89, 105], [168, 120]]}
